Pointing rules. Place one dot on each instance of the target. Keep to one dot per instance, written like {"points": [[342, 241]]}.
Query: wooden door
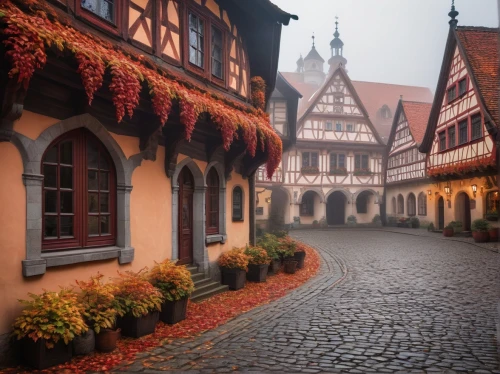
{"points": [[335, 209], [441, 213], [186, 191], [467, 215]]}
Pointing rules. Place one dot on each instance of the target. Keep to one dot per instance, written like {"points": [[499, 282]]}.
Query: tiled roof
{"points": [[480, 45], [373, 95], [313, 55], [417, 115]]}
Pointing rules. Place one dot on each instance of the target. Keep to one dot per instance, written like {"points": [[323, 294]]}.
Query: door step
{"points": [[204, 287]]}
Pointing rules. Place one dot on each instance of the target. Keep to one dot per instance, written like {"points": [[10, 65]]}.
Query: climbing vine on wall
{"points": [[31, 27]]}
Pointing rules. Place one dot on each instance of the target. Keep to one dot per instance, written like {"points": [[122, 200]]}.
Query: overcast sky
{"points": [[390, 41]]}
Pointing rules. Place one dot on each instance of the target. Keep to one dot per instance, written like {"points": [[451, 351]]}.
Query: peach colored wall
{"points": [[150, 212]]}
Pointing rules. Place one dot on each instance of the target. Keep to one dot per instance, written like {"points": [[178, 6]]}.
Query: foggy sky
{"points": [[389, 41]]}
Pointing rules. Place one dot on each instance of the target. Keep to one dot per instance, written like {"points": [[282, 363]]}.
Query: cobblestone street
{"points": [[383, 302]]}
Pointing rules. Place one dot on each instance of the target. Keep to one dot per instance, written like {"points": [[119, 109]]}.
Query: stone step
{"points": [[192, 269], [215, 289], [202, 282], [196, 277]]}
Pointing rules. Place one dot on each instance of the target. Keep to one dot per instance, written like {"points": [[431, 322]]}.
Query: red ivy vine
{"points": [[459, 168], [32, 26]]}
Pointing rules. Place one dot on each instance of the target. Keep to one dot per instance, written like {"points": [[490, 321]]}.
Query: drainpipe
{"points": [[252, 195]]}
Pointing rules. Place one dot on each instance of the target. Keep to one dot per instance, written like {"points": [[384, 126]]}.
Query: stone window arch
{"points": [[411, 205], [32, 152]]}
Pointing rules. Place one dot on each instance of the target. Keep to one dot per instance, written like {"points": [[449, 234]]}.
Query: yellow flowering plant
{"points": [[173, 281], [51, 316]]}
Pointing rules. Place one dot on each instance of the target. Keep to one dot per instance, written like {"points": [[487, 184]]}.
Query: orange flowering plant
{"points": [[51, 316], [287, 247], [234, 259], [135, 295], [99, 306], [173, 281], [257, 256]]}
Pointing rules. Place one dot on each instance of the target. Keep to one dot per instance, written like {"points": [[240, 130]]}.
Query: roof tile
{"points": [[417, 115]]}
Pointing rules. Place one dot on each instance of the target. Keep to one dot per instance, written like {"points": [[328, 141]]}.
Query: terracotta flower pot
{"points": [[134, 327], [106, 340], [257, 273], [300, 257], [234, 278], [173, 312], [37, 355], [290, 267], [448, 232], [84, 344], [493, 234], [481, 236]]}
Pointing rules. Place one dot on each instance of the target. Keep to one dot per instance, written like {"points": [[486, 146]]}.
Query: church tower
{"points": [[313, 67], [337, 46]]}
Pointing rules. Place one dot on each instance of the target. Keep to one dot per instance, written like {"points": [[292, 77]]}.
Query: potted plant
{"points": [[99, 309], [377, 220], [47, 325], [140, 303], [458, 226], [414, 222], [448, 230], [270, 243], [493, 232], [286, 250], [392, 221], [176, 285], [431, 227], [352, 220], [480, 228], [300, 255], [233, 266], [323, 223], [315, 224], [491, 216], [258, 264]]}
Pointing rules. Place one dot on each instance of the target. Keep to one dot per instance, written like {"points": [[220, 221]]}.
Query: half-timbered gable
{"points": [[404, 161]]}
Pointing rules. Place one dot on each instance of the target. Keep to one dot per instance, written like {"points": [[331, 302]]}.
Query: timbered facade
{"points": [[460, 140], [128, 136]]}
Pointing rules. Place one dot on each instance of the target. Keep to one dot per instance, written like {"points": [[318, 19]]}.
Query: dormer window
{"points": [[102, 8]]}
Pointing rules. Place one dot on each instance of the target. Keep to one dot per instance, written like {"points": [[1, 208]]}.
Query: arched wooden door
{"points": [[441, 213], [186, 191], [462, 210], [335, 208]]}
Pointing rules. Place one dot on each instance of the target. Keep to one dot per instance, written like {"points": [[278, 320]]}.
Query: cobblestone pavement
{"points": [[406, 303]]}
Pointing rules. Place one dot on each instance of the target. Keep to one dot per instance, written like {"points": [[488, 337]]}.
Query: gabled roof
{"points": [[417, 116], [478, 48], [313, 55], [319, 93]]}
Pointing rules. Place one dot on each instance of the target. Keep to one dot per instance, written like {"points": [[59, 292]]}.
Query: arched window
{"points": [[362, 202], [212, 202], [411, 205], [79, 193], [393, 205], [237, 204], [401, 204], [307, 205], [422, 204]]}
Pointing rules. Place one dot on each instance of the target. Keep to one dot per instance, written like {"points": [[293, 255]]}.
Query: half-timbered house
{"points": [[460, 137], [335, 169], [407, 185], [128, 135]]}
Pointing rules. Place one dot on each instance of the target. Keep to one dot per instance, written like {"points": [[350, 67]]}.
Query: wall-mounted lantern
{"points": [[268, 200], [447, 189], [474, 189]]}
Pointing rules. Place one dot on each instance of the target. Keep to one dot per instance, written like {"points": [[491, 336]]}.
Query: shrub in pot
{"points": [[377, 220], [139, 304], [352, 221], [493, 232], [99, 309], [415, 222], [315, 223], [258, 264], [431, 227], [299, 255], [233, 266], [480, 228], [448, 230], [176, 285], [286, 248], [492, 216], [47, 325], [271, 243], [458, 226]]}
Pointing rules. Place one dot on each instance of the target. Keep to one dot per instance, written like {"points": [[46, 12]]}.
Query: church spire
{"points": [[453, 15], [337, 49], [313, 37]]}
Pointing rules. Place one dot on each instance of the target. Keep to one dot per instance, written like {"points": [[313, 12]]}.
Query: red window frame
{"points": [[209, 22], [80, 187], [102, 23], [212, 203]]}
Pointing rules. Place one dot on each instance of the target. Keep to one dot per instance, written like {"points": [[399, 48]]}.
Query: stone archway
{"points": [[336, 208]]}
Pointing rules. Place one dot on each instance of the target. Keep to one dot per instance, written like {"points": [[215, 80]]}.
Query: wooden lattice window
{"points": [[394, 205], [307, 205], [79, 193], [309, 159], [337, 161], [361, 162], [237, 204], [463, 132], [401, 204], [476, 126], [452, 139], [411, 205], [212, 202], [462, 87], [452, 93], [442, 140], [196, 40], [422, 204], [102, 8]]}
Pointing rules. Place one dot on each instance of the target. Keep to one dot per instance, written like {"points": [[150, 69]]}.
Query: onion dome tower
{"points": [[337, 47]]}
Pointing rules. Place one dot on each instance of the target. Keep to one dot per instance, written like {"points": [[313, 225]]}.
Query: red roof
{"points": [[417, 115], [373, 95], [480, 45]]}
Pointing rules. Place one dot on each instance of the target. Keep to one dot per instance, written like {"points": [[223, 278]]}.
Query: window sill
{"points": [[76, 256], [216, 238]]}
